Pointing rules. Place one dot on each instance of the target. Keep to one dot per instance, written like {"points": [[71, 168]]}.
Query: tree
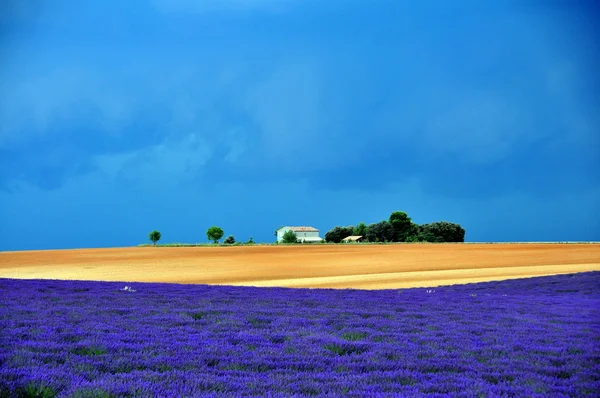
{"points": [[403, 226], [230, 240], [214, 233], [154, 236], [443, 231], [289, 237], [423, 237], [250, 241], [347, 231], [380, 232], [413, 239], [427, 237], [360, 230], [336, 234]]}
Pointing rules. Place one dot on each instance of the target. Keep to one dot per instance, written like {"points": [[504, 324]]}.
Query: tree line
{"points": [[399, 228], [213, 233]]}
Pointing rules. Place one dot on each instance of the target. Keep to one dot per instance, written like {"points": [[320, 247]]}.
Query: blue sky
{"points": [[117, 118]]}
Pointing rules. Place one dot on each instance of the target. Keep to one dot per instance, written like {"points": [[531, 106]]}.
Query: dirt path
{"points": [[340, 266]]}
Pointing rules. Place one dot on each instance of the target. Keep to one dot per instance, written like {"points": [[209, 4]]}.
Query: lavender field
{"points": [[527, 337]]}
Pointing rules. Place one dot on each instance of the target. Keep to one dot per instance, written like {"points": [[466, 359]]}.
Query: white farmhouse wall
{"points": [[299, 235], [280, 234]]}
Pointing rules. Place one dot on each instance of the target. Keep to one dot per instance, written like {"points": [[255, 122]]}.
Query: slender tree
{"points": [[154, 236]]}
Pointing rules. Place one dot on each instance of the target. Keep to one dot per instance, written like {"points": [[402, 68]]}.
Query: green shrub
{"points": [[290, 237], [37, 390]]}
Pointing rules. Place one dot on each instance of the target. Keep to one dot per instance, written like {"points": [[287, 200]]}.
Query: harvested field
{"points": [[318, 266]]}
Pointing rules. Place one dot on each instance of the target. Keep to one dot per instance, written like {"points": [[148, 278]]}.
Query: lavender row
{"points": [[527, 337]]}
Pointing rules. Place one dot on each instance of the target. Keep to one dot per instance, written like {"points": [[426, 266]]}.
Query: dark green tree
{"points": [[414, 231], [336, 234], [380, 232], [289, 237], [360, 230], [443, 231], [214, 233], [348, 231], [250, 241], [403, 226], [423, 237], [154, 236], [428, 237], [413, 239], [230, 240]]}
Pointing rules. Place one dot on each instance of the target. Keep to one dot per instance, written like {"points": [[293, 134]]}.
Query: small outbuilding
{"points": [[353, 238]]}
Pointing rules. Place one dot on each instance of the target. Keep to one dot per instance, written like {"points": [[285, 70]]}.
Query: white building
{"points": [[353, 238], [304, 234]]}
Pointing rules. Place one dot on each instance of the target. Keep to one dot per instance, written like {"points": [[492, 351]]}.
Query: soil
{"points": [[316, 266]]}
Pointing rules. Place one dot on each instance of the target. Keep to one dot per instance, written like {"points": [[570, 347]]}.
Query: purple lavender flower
{"points": [[527, 337]]}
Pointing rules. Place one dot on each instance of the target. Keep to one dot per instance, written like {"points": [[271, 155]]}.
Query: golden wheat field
{"points": [[317, 266]]}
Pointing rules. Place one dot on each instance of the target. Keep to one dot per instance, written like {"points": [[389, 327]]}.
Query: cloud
{"points": [[55, 121], [335, 105], [169, 165], [37, 103], [289, 113], [458, 135]]}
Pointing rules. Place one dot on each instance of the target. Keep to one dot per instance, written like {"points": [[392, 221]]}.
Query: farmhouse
{"points": [[304, 234], [354, 238]]}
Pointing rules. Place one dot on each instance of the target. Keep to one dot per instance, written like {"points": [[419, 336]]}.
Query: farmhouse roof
{"points": [[352, 238], [301, 229]]}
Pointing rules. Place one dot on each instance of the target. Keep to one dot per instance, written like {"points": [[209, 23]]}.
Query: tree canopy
{"points": [[444, 231], [360, 229], [336, 234], [154, 236], [400, 228], [403, 226], [214, 233], [380, 232]]}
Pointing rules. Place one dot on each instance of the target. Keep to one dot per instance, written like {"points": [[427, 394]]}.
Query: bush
{"points": [[289, 237], [230, 240]]}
